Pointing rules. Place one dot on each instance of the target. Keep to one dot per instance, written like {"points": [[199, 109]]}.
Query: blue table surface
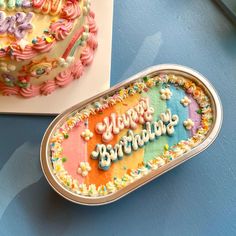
{"points": [[196, 198]]}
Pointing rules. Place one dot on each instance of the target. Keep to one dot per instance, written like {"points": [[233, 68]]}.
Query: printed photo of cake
{"points": [[44, 44], [124, 136]]}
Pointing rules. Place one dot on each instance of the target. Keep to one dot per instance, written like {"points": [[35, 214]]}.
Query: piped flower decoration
{"points": [[8, 80], [92, 190], [165, 94], [40, 67], [65, 62], [23, 81], [23, 43], [84, 168], [185, 101], [4, 67], [87, 135], [150, 82], [188, 124]]}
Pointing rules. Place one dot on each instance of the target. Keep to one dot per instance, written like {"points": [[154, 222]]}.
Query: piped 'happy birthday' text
{"points": [[142, 114]]}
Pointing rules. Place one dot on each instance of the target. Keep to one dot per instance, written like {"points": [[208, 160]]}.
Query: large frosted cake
{"points": [[44, 44]]}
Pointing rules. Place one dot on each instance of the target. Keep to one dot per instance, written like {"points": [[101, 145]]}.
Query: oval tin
{"points": [[151, 72]]}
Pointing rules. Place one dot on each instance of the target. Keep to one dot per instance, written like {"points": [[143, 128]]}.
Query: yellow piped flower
{"points": [[150, 83]]}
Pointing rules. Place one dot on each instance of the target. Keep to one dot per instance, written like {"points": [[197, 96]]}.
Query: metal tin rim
{"points": [[61, 190]]}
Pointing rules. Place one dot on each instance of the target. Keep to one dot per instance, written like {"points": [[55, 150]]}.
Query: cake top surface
{"points": [[126, 135], [35, 26]]}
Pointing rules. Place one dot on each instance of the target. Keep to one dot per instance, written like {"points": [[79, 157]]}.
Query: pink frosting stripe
{"points": [[77, 153], [72, 42], [194, 116]]}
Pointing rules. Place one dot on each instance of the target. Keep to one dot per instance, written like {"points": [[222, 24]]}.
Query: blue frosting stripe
{"points": [[155, 148], [177, 108]]}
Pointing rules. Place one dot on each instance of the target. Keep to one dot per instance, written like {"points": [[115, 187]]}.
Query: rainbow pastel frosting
{"points": [[124, 136], [44, 44]]}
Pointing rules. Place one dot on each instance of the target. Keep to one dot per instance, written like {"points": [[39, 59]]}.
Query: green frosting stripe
{"points": [[75, 47]]}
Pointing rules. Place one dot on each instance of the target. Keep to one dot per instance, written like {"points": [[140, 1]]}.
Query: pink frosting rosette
{"points": [[43, 46], [71, 10], [20, 55], [61, 29], [47, 6], [92, 24], [77, 69], [92, 41], [64, 77], [7, 90], [48, 87], [87, 56], [30, 91]]}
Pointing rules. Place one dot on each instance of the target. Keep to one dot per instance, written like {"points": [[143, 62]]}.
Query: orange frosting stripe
{"points": [[121, 167], [97, 176]]}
